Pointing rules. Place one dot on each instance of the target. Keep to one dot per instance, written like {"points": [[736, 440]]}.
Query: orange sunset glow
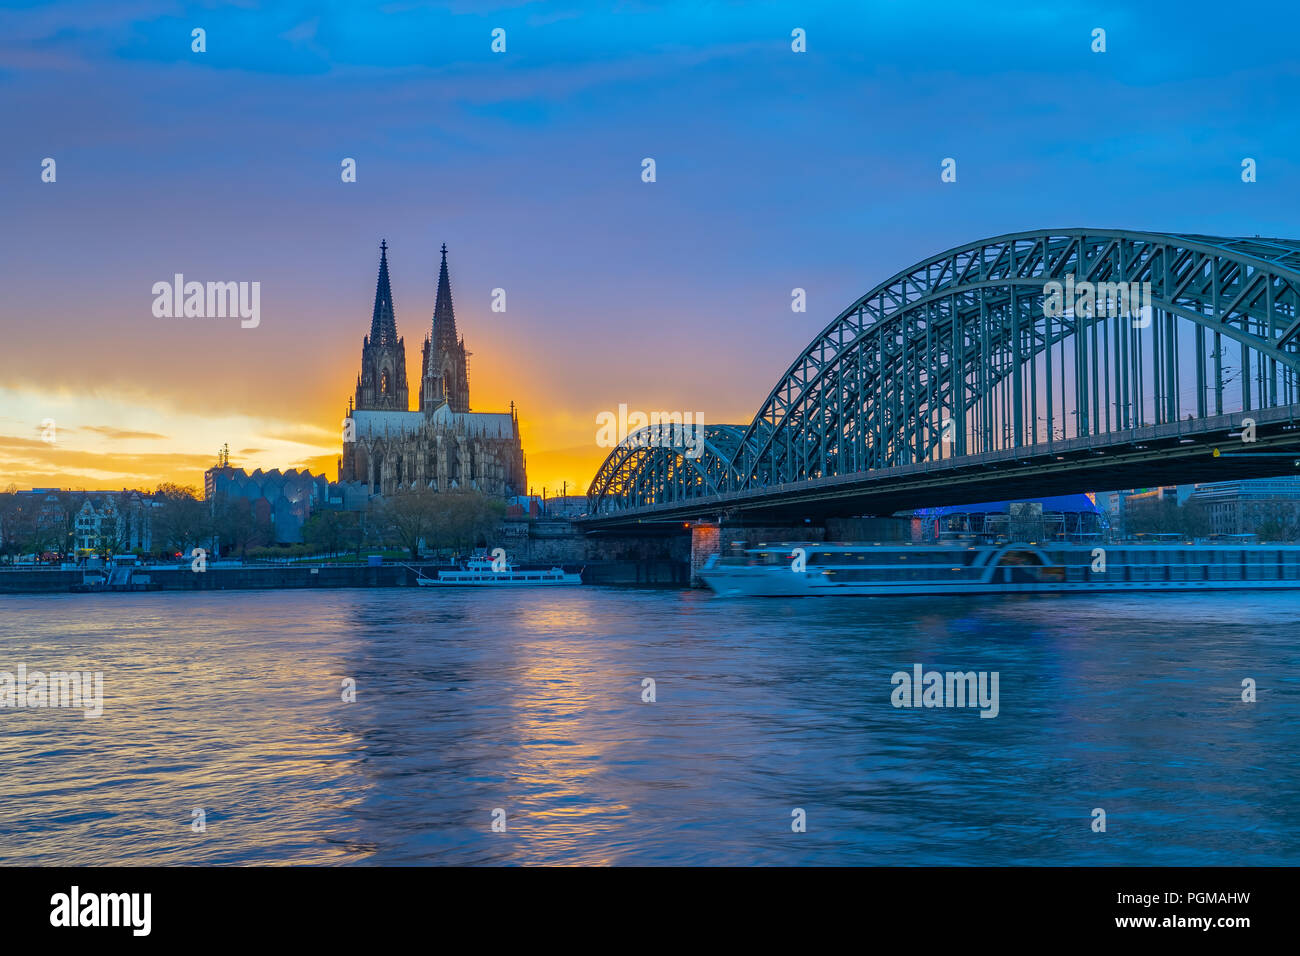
{"points": [[113, 415]]}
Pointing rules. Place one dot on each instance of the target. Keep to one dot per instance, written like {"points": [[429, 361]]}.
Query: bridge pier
{"points": [[670, 544], [706, 541], [732, 536]]}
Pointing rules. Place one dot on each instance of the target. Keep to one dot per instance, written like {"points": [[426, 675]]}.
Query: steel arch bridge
{"points": [[1017, 363]]}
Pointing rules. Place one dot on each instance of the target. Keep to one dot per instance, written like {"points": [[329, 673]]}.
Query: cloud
{"points": [[111, 432], [12, 441], [312, 436], [71, 468]]}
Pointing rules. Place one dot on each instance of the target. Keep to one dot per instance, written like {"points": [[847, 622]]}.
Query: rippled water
{"points": [[531, 702]]}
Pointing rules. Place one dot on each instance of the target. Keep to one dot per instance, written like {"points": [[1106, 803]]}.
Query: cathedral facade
{"points": [[441, 444]]}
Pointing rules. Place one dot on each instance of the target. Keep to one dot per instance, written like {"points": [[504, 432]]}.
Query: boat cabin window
{"points": [[1019, 558]]}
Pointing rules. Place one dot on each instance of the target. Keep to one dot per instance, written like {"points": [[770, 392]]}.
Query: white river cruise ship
{"points": [[819, 569], [481, 571]]}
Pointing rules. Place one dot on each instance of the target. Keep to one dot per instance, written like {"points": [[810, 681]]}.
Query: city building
{"points": [[1057, 518], [1266, 507], [279, 501], [52, 520], [1119, 506], [114, 521]]}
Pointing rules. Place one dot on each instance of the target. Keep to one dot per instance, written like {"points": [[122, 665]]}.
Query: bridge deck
{"points": [[1178, 452]]}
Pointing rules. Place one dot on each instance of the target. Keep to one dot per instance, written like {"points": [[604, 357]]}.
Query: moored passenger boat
{"points": [[481, 571], [815, 569]]}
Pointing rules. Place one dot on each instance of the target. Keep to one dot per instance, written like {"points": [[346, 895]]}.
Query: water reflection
{"points": [[531, 702]]}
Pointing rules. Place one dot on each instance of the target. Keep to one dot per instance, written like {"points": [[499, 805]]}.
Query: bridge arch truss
{"points": [[958, 356]]}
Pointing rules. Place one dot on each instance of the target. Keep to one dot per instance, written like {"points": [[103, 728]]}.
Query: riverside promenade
{"points": [[254, 577], [219, 578]]}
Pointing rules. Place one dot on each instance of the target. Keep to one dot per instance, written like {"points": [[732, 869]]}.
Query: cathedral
{"points": [[441, 444]]}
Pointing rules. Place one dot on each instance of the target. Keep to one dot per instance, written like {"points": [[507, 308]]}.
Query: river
{"points": [[525, 709]]}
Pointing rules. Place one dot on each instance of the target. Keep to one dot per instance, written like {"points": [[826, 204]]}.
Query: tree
{"points": [[332, 531], [69, 502], [461, 518], [465, 518], [36, 523], [236, 524], [37, 532], [357, 528], [1195, 517], [10, 506], [472, 517], [1153, 516], [1273, 520], [409, 517], [182, 520], [114, 529]]}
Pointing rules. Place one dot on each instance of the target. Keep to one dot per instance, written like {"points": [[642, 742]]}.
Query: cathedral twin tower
{"points": [[443, 376], [442, 445]]}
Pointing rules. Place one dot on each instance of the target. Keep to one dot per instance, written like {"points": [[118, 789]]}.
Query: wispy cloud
{"points": [[111, 432]]}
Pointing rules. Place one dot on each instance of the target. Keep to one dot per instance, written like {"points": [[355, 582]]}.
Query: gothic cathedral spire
{"points": [[444, 317], [382, 383], [383, 325], [446, 371]]}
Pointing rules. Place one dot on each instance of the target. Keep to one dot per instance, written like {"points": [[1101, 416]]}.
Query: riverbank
{"points": [[643, 573]]}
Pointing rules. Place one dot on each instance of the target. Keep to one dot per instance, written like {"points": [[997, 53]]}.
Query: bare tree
{"points": [[409, 517], [183, 519]]}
